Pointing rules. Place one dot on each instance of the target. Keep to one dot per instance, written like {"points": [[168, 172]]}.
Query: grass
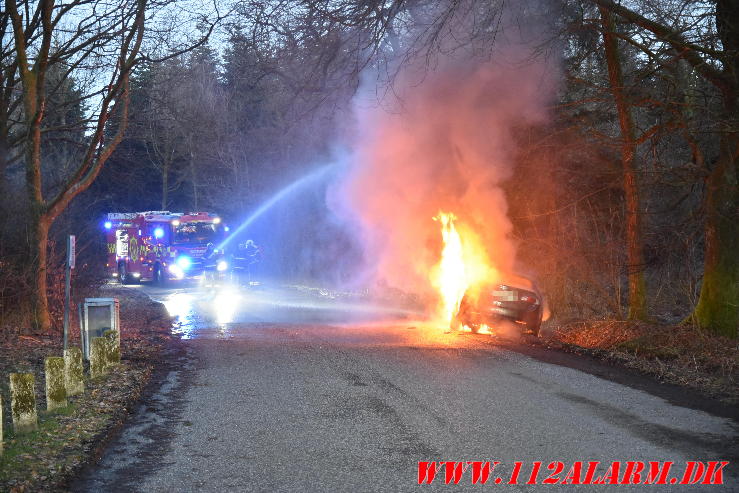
{"points": [[42, 460], [681, 354], [647, 347], [18, 447]]}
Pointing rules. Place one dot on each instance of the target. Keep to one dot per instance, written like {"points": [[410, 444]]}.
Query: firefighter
{"points": [[246, 260], [209, 262]]}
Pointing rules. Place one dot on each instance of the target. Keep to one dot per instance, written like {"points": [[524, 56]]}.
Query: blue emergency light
{"points": [[184, 262], [158, 233], [108, 225]]}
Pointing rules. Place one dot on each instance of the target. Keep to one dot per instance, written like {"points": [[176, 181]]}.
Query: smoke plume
{"points": [[442, 142]]}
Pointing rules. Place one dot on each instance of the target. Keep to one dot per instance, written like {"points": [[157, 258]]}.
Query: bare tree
{"points": [[634, 242], [157, 124], [99, 43], [716, 61]]}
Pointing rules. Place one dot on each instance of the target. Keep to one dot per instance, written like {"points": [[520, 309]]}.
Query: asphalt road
{"points": [[283, 389]]}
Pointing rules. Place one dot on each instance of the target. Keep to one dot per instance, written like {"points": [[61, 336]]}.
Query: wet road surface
{"points": [[288, 389]]}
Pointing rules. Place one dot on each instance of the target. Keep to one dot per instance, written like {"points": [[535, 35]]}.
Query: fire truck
{"points": [[161, 245]]}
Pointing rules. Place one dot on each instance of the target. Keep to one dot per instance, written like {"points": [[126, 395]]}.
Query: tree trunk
{"points": [[5, 147], [718, 305], [4, 151], [39, 221], [39, 247], [165, 186], [194, 178], [717, 308], [634, 246]]}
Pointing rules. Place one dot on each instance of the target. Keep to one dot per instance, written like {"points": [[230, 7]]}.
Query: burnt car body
{"points": [[488, 304]]}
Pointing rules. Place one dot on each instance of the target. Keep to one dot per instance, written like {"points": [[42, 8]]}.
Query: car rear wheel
{"points": [[533, 321], [459, 322]]}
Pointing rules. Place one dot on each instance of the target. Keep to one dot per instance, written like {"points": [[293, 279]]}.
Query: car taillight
{"points": [[528, 299]]}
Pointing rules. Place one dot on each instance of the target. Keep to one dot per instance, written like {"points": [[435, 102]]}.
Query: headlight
{"points": [[177, 271], [222, 265], [184, 262]]}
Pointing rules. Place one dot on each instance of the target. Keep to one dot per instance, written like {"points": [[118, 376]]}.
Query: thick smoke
{"points": [[444, 142]]}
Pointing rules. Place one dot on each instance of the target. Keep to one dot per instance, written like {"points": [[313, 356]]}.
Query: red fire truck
{"points": [[161, 245]]}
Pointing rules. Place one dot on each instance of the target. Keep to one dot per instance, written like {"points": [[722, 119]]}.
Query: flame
{"points": [[482, 329], [464, 263], [451, 279]]}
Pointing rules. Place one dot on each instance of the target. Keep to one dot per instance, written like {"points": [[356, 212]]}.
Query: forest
{"points": [[592, 144]]}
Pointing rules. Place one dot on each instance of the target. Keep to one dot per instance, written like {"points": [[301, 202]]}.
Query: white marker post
{"points": [[67, 284]]}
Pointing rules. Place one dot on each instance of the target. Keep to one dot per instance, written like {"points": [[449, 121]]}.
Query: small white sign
{"points": [[71, 247]]}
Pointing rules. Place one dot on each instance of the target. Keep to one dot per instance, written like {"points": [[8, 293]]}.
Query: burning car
{"points": [[487, 304]]}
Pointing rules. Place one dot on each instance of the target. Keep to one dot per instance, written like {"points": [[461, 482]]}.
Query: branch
{"points": [[119, 91], [200, 42], [20, 38], [42, 58], [691, 52]]}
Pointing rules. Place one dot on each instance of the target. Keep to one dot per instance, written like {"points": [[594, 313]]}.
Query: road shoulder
{"points": [[71, 438], [598, 364]]}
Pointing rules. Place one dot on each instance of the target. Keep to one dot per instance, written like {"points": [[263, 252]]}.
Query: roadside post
{"points": [[67, 284], [23, 402]]}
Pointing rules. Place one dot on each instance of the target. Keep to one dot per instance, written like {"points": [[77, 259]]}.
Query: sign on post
{"points": [[71, 251], [71, 246]]}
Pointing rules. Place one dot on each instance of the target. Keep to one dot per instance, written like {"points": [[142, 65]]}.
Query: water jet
{"points": [[273, 200]]}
